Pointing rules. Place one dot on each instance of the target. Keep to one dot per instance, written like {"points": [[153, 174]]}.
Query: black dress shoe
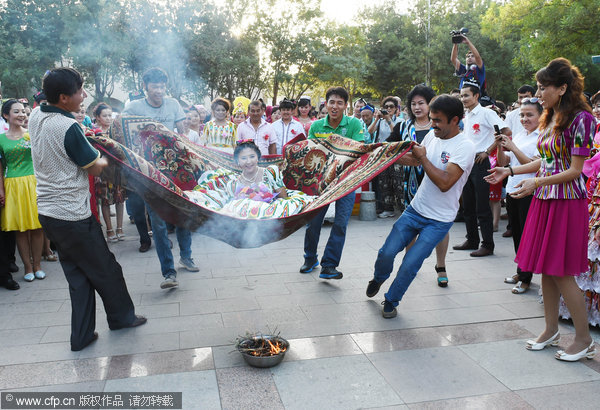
{"points": [[482, 252], [11, 284], [12, 268], [145, 247], [507, 233], [373, 288], [465, 246], [92, 340], [138, 321]]}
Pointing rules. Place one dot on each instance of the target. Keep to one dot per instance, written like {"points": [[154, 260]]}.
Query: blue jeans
{"points": [[163, 248], [410, 224], [337, 237]]}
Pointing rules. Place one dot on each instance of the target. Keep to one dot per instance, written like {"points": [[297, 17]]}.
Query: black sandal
{"points": [[442, 281]]}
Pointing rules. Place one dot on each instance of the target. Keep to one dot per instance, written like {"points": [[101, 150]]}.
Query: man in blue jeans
{"points": [[336, 122], [447, 158], [167, 111]]}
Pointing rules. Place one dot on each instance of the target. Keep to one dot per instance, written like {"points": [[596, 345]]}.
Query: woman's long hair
{"points": [[558, 72]]}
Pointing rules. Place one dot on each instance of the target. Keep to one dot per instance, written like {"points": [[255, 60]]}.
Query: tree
{"points": [[343, 59], [32, 42], [545, 29]]}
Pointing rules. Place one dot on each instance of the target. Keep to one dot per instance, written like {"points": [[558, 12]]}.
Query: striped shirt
{"points": [[556, 151]]}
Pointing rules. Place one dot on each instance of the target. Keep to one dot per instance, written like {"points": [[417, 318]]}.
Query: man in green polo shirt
{"points": [[349, 127]]}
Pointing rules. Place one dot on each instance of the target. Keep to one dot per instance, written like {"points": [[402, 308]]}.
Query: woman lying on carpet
{"points": [[256, 193]]}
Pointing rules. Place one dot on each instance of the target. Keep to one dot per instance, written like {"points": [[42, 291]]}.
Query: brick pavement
{"points": [[458, 347]]}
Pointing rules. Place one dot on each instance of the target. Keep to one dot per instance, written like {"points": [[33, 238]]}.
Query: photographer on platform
{"points": [[473, 67]]}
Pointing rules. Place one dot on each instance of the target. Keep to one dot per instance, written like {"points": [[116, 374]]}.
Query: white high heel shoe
{"points": [[589, 353], [553, 341]]}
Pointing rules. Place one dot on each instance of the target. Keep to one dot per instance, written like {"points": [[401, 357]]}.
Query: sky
{"points": [[343, 11]]}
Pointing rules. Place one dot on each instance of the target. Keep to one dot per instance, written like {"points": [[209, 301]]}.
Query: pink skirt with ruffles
{"points": [[555, 238]]}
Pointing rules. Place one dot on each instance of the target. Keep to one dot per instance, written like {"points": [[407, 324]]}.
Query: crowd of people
{"points": [[469, 153]]}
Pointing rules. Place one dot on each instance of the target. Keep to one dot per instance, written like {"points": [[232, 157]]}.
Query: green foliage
{"points": [[276, 49], [29, 43], [542, 30]]}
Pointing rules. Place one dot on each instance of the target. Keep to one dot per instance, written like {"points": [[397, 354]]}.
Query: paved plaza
{"points": [[455, 347]]}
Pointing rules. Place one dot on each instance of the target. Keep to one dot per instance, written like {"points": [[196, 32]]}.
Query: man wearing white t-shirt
{"points": [[287, 128], [447, 157], [479, 125]]}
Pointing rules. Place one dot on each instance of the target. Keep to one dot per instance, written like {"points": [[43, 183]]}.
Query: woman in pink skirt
{"points": [[554, 241]]}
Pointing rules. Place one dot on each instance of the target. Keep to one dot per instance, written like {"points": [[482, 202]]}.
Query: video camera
{"points": [[457, 35]]}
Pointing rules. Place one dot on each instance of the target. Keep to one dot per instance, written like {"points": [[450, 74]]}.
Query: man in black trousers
{"points": [[62, 160]]}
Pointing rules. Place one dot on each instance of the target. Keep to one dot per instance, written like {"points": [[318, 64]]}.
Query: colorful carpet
{"points": [[160, 165]]}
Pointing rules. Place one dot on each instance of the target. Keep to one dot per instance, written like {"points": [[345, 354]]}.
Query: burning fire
{"points": [[264, 347]]}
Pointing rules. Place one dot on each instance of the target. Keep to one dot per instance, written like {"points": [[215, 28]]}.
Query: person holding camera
{"points": [[473, 69]]}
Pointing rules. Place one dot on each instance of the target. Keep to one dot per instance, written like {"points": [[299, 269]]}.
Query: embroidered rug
{"points": [[160, 166]]}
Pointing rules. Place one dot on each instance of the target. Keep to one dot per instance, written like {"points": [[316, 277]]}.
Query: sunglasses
{"points": [[389, 106], [532, 100]]}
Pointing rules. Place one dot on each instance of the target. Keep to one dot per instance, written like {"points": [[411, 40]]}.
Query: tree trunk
{"points": [[275, 90]]}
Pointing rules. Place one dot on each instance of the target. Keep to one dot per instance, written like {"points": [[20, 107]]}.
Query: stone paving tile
{"points": [[327, 321], [320, 347], [193, 283], [227, 356], [529, 308], [264, 318], [31, 308], [147, 364], [199, 387], [535, 369], [201, 307], [425, 303], [483, 332], [354, 309], [247, 388], [472, 315], [308, 299], [249, 291], [160, 296], [332, 383], [413, 374], [53, 373], [164, 310], [496, 401], [394, 340], [496, 297], [404, 320], [211, 337], [574, 395], [41, 353], [278, 278], [322, 327], [18, 337], [128, 341], [536, 325], [93, 386]]}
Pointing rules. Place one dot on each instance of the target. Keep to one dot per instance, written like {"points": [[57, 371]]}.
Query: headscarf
{"points": [[240, 104]]}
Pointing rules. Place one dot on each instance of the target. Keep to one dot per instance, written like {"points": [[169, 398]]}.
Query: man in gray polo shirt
{"points": [[168, 112], [62, 160]]}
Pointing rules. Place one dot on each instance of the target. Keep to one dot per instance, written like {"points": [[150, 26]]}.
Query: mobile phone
{"points": [[496, 130]]}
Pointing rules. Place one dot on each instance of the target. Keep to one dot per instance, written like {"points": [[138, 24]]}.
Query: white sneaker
{"points": [[169, 282], [189, 265], [386, 214]]}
